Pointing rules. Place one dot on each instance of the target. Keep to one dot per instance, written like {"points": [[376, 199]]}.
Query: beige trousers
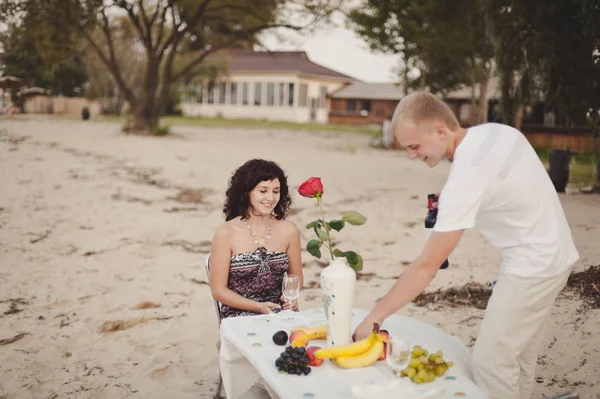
{"points": [[507, 347]]}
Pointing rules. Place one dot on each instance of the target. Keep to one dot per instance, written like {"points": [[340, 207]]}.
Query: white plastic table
{"points": [[248, 357]]}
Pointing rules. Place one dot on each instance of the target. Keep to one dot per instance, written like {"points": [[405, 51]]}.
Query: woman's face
{"points": [[264, 197]]}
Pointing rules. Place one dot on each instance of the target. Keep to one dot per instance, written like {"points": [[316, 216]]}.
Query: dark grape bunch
{"points": [[293, 361]]}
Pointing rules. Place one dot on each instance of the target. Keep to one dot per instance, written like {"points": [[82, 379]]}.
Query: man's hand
{"points": [[412, 281], [364, 329]]}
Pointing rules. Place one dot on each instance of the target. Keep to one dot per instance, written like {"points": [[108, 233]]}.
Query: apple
{"points": [[313, 361], [298, 338], [384, 335]]}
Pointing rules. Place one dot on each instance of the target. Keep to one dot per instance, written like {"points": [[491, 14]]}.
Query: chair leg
{"points": [[219, 387]]}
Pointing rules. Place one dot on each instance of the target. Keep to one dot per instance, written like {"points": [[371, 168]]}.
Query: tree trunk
{"points": [[483, 101], [597, 167], [473, 117], [144, 121], [519, 115], [147, 112]]}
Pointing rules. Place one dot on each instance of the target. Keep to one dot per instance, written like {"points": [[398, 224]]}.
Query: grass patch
{"points": [[168, 121], [582, 166]]}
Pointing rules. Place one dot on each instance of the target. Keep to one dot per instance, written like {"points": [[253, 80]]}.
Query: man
{"points": [[498, 185]]}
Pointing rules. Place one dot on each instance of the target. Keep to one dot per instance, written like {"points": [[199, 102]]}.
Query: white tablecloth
{"points": [[248, 354]]}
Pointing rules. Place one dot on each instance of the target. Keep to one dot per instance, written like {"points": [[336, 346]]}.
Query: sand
{"points": [[101, 231]]}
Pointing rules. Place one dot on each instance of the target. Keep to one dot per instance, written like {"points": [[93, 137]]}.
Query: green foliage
{"points": [[313, 248], [337, 225], [175, 37], [354, 218], [548, 51], [323, 231], [446, 41], [38, 48]]}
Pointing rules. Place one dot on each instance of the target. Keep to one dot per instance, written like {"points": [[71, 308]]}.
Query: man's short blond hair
{"points": [[422, 107]]}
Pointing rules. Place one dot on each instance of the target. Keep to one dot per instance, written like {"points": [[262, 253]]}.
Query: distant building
{"points": [[364, 103], [275, 86], [368, 103], [460, 101]]}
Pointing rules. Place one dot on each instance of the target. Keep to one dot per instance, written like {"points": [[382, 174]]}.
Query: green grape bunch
{"points": [[425, 367]]}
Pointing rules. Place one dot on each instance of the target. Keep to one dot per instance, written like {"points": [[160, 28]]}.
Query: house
{"points": [[275, 86], [460, 101], [372, 103], [364, 103]]}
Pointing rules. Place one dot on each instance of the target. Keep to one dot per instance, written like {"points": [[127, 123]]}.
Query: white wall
{"points": [[276, 112]]}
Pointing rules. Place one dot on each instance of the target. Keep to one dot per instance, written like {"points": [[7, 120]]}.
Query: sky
{"points": [[340, 49]]}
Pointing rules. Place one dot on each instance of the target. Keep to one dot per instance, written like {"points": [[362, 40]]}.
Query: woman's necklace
{"points": [[260, 240]]}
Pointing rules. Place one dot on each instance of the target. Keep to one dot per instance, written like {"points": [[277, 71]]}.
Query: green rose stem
{"points": [[325, 226]]}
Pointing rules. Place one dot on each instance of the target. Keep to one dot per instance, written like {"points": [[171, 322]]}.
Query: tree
{"points": [[129, 58], [168, 30], [37, 50], [447, 42], [549, 52]]}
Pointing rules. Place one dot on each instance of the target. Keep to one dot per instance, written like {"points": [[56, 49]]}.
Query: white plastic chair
{"points": [[218, 310]]}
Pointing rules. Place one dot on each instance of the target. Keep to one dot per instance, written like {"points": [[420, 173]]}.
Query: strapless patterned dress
{"points": [[258, 276]]}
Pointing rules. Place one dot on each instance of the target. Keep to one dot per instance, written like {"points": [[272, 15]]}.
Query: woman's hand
{"points": [[289, 305], [267, 307]]}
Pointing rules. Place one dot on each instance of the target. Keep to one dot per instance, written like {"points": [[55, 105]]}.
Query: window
{"points": [[322, 97], [257, 93], [245, 93], [281, 94], [351, 106], [303, 100], [365, 105], [291, 94], [271, 94], [233, 93], [199, 92]]}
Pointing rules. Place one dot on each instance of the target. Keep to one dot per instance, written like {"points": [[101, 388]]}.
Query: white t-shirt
{"points": [[499, 186]]}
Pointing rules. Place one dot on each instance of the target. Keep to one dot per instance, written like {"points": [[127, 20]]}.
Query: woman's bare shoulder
{"points": [[227, 229], [288, 227]]}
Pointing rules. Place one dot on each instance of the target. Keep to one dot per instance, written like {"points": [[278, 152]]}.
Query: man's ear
{"points": [[441, 130]]}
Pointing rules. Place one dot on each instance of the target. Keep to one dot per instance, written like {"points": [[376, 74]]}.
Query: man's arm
{"points": [[413, 281]]}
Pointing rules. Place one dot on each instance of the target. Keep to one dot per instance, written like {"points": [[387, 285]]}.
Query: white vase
{"points": [[338, 280]]}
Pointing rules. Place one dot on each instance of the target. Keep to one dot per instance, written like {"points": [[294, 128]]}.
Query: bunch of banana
{"points": [[361, 353], [317, 332]]}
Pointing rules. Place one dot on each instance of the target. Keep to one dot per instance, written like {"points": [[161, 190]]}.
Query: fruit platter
{"points": [[300, 355], [291, 355]]}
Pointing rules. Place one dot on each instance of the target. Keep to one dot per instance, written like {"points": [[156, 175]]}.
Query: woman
{"points": [[256, 246]]}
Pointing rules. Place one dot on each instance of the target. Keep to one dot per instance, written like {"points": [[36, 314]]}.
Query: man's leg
{"points": [[513, 319], [528, 359]]}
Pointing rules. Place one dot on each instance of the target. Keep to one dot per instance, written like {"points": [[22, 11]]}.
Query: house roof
{"points": [[464, 93], [371, 91], [242, 60]]}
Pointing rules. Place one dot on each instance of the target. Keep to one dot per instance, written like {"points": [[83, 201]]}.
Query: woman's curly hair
{"points": [[245, 178]]}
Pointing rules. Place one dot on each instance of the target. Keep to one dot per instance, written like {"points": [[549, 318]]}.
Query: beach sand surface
{"points": [[101, 230]]}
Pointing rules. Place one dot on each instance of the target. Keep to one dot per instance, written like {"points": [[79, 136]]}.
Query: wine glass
{"points": [[290, 287], [397, 353]]}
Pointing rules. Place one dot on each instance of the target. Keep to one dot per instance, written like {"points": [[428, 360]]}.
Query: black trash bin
{"points": [[559, 169], [85, 113]]}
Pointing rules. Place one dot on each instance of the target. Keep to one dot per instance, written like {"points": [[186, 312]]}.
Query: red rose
{"points": [[311, 187]]}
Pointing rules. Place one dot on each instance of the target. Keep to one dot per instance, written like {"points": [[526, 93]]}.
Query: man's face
{"points": [[425, 141]]}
